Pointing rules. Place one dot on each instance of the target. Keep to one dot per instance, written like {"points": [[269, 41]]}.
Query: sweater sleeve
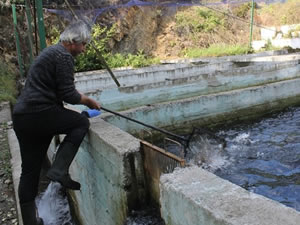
{"points": [[65, 85]]}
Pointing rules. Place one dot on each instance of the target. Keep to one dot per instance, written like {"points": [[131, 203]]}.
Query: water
{"points": [[53, 206], [262, 157], [147, 216]]}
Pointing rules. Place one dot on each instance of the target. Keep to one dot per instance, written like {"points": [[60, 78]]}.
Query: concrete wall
{"points": [[206, 108], [184, 80], [193, 196], [284, 36], [108, 166]]}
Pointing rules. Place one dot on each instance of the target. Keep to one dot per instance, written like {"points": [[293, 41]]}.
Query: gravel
{"points": [[8, 206]]}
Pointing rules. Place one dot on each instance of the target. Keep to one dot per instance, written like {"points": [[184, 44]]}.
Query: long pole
{"points": [[100, 57], [147, 125]]}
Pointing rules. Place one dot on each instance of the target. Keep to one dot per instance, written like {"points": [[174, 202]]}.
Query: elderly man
{"points": [[39, 114]]}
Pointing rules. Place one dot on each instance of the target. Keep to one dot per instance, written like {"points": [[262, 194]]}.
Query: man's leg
{"points": [[75, 126], [33, 152]]}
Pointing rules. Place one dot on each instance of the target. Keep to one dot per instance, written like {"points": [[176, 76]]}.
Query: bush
{"points": [[8, 90], [139, 60], [242, 10], [89, 60], [199, 20], [279, 14]]}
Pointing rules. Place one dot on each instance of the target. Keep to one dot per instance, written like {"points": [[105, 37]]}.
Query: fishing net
{"points": [[92, 9]]}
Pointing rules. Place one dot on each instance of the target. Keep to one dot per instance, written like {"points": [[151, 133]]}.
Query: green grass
{"points": [[138, 60], [8, 90], [215, 51]]}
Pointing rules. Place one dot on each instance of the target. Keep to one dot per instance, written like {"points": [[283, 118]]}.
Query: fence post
{"points": [[251, 24], [17, 40], [29, 33], [39, 6]]}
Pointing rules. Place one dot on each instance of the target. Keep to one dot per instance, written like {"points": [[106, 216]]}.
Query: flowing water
{"points": [[262, 157], [53, 206]]}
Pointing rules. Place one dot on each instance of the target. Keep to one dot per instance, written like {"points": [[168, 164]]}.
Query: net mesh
{"points": [[93, 8]]}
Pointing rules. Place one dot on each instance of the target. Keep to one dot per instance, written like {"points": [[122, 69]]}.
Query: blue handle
{"points": [[92, 112]]}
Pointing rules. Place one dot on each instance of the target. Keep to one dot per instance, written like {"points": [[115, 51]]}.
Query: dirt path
{"points": [[8, 207]]}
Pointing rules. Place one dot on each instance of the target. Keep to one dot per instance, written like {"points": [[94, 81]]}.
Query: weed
{"points": [[8, 90], [138, 60], [242, 10], [216, 50]]}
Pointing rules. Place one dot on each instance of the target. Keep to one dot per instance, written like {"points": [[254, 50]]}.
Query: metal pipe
{"points": [[251, 24], [42, 33]]}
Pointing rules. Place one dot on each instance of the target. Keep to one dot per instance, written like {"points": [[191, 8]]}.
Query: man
{"points": [[39, 114]]}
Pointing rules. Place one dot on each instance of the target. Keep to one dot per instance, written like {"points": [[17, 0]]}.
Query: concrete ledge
{"points": [[108, 166], [5, 112], [170, 82], [203, 198], [189, 112], [16, 167]]}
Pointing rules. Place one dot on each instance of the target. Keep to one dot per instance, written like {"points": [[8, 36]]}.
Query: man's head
{"points": [[75, 37]]}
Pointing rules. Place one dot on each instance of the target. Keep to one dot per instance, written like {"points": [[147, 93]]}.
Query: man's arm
{"points": [[89, 102]]}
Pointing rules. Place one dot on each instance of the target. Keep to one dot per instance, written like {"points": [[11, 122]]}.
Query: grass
{"points": [[138, 60], [8, 90], [215, 51]]}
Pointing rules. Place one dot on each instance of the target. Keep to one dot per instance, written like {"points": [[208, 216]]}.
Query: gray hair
{"points": [[76, 32]]}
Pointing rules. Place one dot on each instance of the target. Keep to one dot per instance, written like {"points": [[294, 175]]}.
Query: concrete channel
{"points": [[176, 96]]}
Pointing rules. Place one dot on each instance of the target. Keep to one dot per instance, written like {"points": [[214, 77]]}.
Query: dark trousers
{"points": [[35, 132]]}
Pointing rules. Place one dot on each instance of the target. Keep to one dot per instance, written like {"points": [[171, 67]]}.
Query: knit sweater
{"points": [[49, 83]]}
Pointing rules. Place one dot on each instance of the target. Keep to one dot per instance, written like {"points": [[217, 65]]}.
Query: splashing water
{"points": [[53, 206], [207, 154]]}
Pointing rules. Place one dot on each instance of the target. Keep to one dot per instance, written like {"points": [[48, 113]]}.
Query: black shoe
{"points": [[59, 171], [64, 180], [29, 214]]}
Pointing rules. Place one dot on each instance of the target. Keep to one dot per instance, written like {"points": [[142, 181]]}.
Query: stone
{"points": [[7, 181]]}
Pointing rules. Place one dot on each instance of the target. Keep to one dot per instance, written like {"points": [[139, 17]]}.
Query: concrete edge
{"points": [[16, 167], [208, 199], [5, 112]]}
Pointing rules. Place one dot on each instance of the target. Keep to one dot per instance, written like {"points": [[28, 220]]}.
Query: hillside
{"points": [[167, 32]]}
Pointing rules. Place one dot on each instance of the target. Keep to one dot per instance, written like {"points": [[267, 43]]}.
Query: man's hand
{"points": [[89, 102]]}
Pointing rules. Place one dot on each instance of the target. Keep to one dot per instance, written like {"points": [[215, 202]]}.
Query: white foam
{"points": [[207, 155], [53, 206]]}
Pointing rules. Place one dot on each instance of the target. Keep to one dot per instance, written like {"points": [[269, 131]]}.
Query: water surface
{"points": [[262, 157]]}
